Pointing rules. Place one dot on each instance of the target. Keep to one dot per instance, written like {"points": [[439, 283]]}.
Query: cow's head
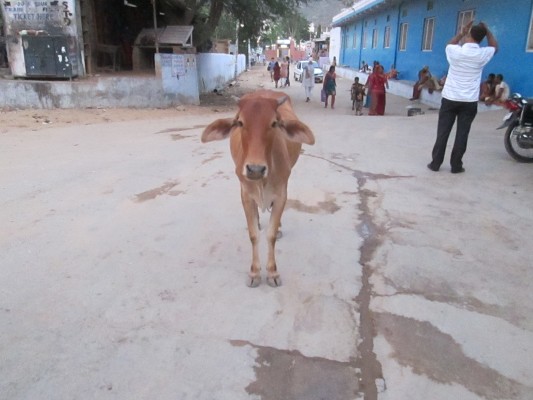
{"points": [[258, 121]]}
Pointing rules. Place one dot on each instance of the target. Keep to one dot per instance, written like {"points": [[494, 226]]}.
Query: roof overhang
{"points": [[360, 10]]}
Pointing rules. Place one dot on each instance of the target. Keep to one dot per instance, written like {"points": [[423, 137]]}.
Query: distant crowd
{"points": [[372, 94]]}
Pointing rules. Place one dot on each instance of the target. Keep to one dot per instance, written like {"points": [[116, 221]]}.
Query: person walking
{"points": [[357, 95], [330, 86], [461, 92], [288, 80], [277, 73], [284, 72], [377, 82], [308, 78], [270, 68]]}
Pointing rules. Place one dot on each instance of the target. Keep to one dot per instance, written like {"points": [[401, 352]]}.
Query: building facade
{"points": [[412, 33]]}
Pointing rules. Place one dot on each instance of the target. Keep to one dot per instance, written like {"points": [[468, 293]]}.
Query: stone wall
{"points": [[116, 90]]}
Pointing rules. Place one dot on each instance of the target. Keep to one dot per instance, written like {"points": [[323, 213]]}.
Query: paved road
{"points": [[124, 255]]}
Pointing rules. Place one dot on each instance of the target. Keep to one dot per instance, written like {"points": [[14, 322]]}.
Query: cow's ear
{"points": [[299, 132], [217, 130]]}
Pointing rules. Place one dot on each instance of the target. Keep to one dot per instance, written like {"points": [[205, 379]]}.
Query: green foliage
{"points": [[292, 25], [218, 18]]}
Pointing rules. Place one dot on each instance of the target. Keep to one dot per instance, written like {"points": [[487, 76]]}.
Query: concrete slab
{"points": [[124, 257]]}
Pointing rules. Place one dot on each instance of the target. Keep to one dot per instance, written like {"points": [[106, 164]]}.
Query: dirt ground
{"points": [[220, 101]]}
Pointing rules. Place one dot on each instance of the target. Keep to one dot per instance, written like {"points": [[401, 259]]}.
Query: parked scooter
{"points": [[519, 123]]}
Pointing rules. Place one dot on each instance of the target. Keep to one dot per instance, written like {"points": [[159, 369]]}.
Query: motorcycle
{"points": [[518, 137]]}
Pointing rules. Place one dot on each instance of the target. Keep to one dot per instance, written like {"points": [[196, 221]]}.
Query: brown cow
{"points": [[265, 140]]}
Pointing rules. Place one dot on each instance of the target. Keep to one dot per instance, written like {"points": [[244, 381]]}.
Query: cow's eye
{"points": [[238, 123], [275, 124]]}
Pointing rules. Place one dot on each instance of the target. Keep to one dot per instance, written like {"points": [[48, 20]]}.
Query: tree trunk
{"points": [[205, 31]]}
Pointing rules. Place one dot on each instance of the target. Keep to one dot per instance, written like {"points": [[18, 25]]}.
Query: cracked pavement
{"points": [[125, 254]]}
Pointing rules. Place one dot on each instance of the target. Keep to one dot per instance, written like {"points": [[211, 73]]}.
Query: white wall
{"points": [[179, 76], [117, 90], [335, 45], [216, 69]]}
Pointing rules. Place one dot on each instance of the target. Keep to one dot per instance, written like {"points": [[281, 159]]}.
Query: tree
{"points": [[205, 15], [319, 31], [292, 25]]}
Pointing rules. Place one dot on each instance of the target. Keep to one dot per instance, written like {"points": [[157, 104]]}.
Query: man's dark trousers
{"points": [[464, 112]]}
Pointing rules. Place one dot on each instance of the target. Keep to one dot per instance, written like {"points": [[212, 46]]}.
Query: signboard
{"points": [[51, 17], [30, 18]]}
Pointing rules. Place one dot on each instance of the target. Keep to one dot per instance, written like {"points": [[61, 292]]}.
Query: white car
{"points": [[299, 69]]}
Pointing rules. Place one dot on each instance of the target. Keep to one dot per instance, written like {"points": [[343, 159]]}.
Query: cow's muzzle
{"points": [[255, 172]]}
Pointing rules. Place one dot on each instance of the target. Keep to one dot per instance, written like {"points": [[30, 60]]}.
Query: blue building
{"points": [[412, 33]]}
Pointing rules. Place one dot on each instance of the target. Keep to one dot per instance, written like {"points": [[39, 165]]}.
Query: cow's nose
{"points": [[254, 171]]}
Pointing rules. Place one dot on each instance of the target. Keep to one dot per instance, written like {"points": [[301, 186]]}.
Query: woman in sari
{"points": [[330, 86], [277, 73], [377, 82]]}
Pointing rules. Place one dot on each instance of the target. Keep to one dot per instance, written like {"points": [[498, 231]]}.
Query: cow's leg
{"points": [[279, 234], [252, 218], [273, 278]]}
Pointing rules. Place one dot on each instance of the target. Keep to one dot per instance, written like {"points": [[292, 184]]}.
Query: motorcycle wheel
{"points": [[512, 147]]}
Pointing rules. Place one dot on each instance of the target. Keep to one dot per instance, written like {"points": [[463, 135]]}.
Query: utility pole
{"points": [[155, 27], [249, 59], [236, 48]]}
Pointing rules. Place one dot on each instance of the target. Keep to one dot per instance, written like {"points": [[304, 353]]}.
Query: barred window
{"points": [[403, 36], [464, 18], [386, 37], [429, 29], [374, 38]]}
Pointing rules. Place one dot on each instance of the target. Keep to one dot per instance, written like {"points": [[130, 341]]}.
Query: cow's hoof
{"points": [[253, 281], [274, 281]]}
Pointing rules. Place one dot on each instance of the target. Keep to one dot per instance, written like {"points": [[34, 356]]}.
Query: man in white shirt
{"points": [[461, 91], [308, 79]]}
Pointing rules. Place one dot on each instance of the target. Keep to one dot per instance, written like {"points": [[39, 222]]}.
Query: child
{"points": [[358, 93]]}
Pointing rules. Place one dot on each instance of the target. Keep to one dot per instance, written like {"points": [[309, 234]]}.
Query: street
{"points": [[124, 257]]}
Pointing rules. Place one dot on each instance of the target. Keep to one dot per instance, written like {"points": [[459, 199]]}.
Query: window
{"points": [[374, 38], [403, 36], [345, 40], [355, 39], [386, 38], [464, 18], [364, 40], [429, 28], [530, 39], [430, 5]]}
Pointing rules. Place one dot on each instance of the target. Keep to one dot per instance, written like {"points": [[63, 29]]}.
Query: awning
{"points": [[177, 34]]}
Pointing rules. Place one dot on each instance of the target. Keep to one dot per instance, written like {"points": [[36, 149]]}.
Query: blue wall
{"points": [[510, 25]]}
